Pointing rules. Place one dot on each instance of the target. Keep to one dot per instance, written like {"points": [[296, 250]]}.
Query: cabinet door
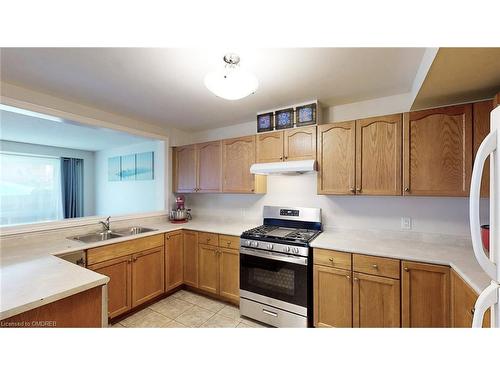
{"points": [[238, 157], [425, 295], [270, 147], [208, 277], [332, 297], [174, 255], [209, 167], [376, 302], [463, 299], [300, 143], [148, 275], [437, 151], [378, 155], [481, 118], [185, 169], [190, 257], [336, 145], [229, 274], [119, 287]]}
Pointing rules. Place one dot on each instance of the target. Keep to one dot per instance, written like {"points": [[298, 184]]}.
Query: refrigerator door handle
{"points": [[486, 299], [488, 145]]}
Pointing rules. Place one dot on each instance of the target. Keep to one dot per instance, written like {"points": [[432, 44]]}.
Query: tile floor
{"points": [[187, 309]]}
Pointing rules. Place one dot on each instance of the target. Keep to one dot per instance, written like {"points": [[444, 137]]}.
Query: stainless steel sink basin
{"points": [[130, 231], [103, 236], [96, 237]]}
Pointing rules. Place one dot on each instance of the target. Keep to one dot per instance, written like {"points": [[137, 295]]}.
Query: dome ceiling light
{"points": [[232, 82]]}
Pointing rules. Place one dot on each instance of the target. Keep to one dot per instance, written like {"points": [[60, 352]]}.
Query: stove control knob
{"points": [[255, 244], [269, 246], [295, 250], [287, 249], [247, 243]]}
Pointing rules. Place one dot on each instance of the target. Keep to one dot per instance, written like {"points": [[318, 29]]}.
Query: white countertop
{"points": [[452, 251], [31, 276]]}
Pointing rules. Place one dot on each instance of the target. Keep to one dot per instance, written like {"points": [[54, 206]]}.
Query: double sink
{"points": [[108, 235]]}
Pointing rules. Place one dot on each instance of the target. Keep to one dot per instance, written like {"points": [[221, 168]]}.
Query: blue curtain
{"points": [[72, 187]]}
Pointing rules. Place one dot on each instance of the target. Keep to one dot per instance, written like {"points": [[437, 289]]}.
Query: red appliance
{"points": [[485, 236]]}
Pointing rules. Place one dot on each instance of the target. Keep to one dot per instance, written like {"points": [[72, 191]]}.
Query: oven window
{"points": [[274, 278]]}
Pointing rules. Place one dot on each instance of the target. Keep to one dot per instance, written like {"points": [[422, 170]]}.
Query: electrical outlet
{"points": [[406, 223]]}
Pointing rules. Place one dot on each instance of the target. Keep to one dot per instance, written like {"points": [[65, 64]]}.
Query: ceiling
{"points": [[31, 129], [164, 86], [459, 75]]}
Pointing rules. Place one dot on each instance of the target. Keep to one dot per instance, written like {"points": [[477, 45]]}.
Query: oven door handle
{"points": [[268, 255]]}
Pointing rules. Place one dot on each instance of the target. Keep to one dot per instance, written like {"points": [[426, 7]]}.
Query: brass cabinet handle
{"points": [[348, 276], [352, 189], [286, 157], [472, 311], [356, 279], [281, 157], [358, 189], [330, 259], [406, 269], [375, 266], [228, 243], [208, 239], [407, 189]]}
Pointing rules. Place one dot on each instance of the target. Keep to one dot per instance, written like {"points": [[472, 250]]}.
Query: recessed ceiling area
{"points": [[459, 75], [164, 86], [23, 128]]}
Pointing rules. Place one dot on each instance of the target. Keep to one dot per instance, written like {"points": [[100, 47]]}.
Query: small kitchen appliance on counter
{"points": [[276, 267], [181, 214]]}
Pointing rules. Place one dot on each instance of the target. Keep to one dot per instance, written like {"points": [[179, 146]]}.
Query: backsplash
{"points": [[428, 214]]}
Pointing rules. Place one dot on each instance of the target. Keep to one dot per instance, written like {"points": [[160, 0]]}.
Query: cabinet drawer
{"points": [[376, 265], [103, 253], [208, 238], [332, 258], [229, 242]]}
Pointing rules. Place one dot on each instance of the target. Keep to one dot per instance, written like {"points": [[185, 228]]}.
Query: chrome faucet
{"points": [[105, 224]]}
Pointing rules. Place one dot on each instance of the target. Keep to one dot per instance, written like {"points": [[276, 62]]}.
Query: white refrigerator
{"points": [[491, 295]]}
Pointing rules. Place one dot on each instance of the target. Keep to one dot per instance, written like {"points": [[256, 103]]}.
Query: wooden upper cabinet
{"points": [[332, 297], [148, 275], [336, 155], [209, 167], [481, 119], [378, 155], [190, 261], [238, 155], [376, 302], [270, 147], [174, 259], [425, 295], [437, 151], [300, 143], [119, 287], [463, 300], [185, 169]]}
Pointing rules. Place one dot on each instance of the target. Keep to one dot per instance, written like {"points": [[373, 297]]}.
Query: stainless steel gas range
{"points": [[276, 267]]}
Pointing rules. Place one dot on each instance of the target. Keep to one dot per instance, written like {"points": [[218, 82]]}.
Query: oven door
{"points": [[278, 276]]}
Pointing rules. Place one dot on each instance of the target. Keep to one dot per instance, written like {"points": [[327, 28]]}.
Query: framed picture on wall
{"points": [[306, 114], [284, 118], [128, 167], [114, 169], [265, 122], [144, 166]]}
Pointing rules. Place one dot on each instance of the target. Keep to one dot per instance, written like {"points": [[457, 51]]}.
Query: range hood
{"points": [[286, 167]]}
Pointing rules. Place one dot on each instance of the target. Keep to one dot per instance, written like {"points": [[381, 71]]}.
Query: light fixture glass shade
{"points": [[231, 83]]}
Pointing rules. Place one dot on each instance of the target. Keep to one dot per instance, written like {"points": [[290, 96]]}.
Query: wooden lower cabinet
{"points": [[148, 275], [119, 271], [190, 239], [229, 274], [208, 271], [376, 302], [174, 259], [425, 295], [463, 299], [332, 297]]}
